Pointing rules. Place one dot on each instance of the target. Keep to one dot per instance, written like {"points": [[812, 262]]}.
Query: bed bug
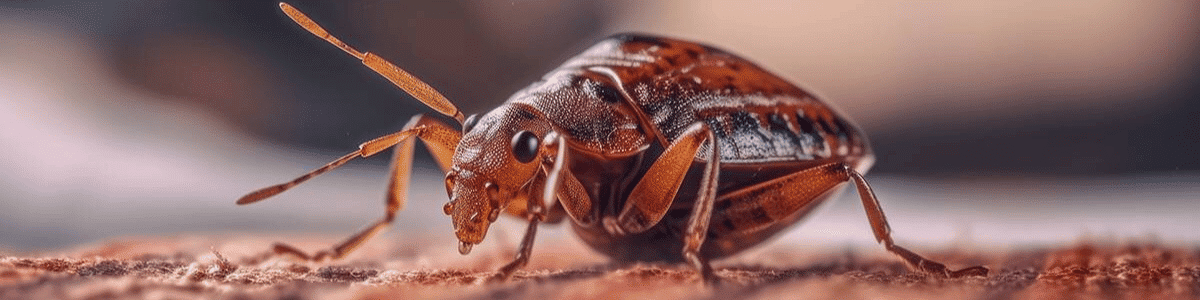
{"points": [[654, 149]]}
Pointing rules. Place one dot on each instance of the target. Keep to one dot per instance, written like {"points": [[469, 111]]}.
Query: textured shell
{"points": [[629, 91]]}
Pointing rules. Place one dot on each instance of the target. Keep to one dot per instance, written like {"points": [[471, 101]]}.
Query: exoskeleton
{"points": [[654, 149]]}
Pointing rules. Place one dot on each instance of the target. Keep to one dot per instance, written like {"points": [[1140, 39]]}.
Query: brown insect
{"points": [[655, 149]]}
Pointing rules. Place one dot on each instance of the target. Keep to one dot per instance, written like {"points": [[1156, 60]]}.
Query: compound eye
{"points": [[525, 146], [470, 122]]}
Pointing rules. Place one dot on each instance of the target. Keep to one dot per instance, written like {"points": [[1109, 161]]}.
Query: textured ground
{"points": [[229, 268]]}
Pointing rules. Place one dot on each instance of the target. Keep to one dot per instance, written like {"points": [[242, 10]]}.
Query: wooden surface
{"points": [[236, 268]]}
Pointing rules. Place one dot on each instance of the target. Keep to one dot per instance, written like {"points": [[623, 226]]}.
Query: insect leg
{"points": [[554, 161], [883, 235], [526, 249], [562, 185], [573, 200], [439, 138], [697, 226], [775, 201], [772, 202], [556, 213], [652, 196]]}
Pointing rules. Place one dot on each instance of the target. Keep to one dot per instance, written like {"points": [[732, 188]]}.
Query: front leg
{"points": [[553, 153], [523, 253]]}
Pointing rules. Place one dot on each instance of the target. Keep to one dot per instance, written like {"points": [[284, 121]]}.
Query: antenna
{"points": [[407, 82]]}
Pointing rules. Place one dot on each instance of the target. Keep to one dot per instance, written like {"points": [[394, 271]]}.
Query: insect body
{"points": [[654, 149]]}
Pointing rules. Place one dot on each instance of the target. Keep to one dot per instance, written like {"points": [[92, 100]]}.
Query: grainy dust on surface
{"points": [[229, 268]]}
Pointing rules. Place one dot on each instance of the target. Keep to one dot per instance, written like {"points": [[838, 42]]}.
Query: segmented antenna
{"points": [[410, 84]]}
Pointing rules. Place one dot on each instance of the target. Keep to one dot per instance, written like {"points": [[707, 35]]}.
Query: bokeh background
{"points": [[1001, 123]]}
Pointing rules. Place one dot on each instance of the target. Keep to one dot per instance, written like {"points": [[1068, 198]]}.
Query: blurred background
{"points": [[1007, 123]]}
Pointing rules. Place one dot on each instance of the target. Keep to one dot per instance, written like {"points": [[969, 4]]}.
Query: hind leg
{"points": [[883, 235], [769, 203]]}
